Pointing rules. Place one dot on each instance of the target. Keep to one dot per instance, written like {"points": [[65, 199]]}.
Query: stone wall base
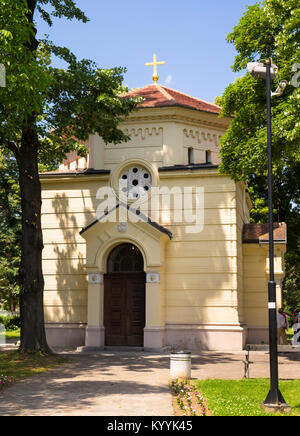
{"points": [[65, 335], [173, 336], [200, 337], [258, 335], [94, 336], [154, 337]]}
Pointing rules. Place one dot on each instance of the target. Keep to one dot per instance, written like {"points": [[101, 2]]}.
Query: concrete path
{"points": [[106, 384], [230, 365], [125, 383]]}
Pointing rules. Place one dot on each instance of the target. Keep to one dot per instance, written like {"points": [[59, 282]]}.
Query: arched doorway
{"points": [[124, 297]]}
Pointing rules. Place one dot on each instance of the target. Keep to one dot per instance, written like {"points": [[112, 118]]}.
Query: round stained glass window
{"points": [[135, 182]]}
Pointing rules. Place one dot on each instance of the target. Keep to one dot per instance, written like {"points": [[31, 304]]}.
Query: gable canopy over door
{"points": [[150, 239]]}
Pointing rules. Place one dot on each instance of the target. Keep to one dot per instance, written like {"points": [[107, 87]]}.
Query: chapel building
{"points": [[147, 245]]}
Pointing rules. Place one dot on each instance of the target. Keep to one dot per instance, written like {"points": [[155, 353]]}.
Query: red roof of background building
{"points": [[159, 96], [259, 233]]}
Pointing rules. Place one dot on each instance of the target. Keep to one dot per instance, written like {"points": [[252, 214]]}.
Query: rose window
{"points": [[135, 182]]}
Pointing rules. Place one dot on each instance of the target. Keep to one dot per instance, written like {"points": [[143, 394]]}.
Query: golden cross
{"points": [[154, 63]]}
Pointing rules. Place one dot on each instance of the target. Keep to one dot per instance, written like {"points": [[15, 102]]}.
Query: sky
{"points": [[190, 36]]}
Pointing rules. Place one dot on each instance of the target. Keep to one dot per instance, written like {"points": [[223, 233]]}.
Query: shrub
{"points": [[11, 322]]}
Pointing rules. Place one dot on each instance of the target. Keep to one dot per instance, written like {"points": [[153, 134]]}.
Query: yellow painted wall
{"points": [[203, 280], [67, 207], [256, 277], [200, 279]]}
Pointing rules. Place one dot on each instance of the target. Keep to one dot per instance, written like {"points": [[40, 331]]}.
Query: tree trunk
{"points": [[33, 337]]}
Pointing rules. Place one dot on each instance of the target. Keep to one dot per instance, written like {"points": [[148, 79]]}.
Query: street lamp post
{"points": [[274, 398]]}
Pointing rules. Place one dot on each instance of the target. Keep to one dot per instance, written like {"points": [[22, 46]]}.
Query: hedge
{"points": [[10, 322]]}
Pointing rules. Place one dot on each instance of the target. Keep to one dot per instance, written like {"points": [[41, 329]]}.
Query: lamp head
{"points": [[258, 70]]}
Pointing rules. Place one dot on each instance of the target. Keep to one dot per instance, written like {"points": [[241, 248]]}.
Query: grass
{"points": [[244, 397], [10, 334], [13, 334], [16, 365]]}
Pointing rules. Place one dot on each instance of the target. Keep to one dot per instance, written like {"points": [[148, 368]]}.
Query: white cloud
{"points": [[168, 79]]}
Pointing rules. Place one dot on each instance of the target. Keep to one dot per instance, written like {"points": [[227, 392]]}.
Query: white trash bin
{"points": [[180, 364]]}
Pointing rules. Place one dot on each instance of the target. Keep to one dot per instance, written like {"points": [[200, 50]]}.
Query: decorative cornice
{"points": [[140, 132], [143, 132], [177, 118], [199, 135]]}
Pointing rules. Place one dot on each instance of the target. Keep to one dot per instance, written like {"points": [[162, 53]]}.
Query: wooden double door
{"points": [[124, 308]]}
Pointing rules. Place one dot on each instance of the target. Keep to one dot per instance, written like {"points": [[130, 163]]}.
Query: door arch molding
{"points": [[100, 239], [124, 297]]}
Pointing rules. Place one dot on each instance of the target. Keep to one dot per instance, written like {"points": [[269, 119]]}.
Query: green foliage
{"points": [[63, 104], [60, 8], [267, 29], [12, 335], [10, 233], [10, 323], [45, 112]]}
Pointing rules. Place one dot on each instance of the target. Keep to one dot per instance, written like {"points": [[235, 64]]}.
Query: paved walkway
{"points": [[106, 384], [125, 384]]}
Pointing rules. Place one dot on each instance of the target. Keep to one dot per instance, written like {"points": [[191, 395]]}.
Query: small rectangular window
{"points": [[208, 156], [191, 156]]}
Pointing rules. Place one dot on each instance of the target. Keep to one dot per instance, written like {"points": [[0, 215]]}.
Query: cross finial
{"points": [[154, 63]]}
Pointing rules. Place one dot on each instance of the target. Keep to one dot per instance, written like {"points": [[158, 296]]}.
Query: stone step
{"points": [[122, 348], [125, 349], [280, 348]]}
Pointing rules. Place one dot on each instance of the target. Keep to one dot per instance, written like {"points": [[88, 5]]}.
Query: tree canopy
{"points": [[46, 112], [65, 103], [267, 29], [270, 29], [10, 233]]}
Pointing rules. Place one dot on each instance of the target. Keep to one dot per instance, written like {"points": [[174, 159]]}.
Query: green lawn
{"points": [[244, 397], [12, 334], [13, 364]]}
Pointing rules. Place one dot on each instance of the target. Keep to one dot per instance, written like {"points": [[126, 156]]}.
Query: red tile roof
{"points": [[159, 96], [258, 233]]}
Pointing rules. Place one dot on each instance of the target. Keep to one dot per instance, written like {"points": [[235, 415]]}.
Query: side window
{"points": [[208, 156], [191, 160]]}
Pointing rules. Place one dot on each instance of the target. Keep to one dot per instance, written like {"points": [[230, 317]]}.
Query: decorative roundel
{"points": [[135, 182]]}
